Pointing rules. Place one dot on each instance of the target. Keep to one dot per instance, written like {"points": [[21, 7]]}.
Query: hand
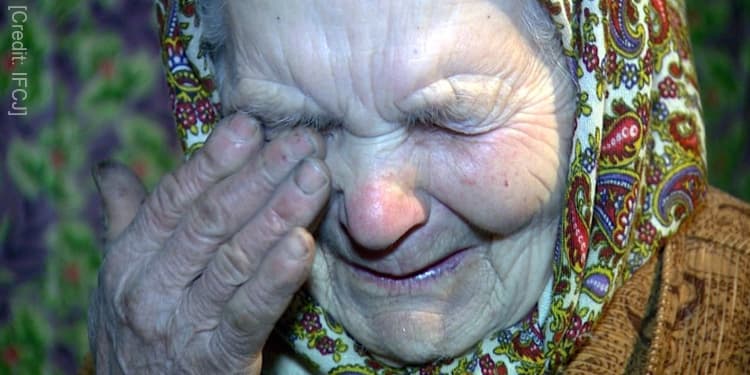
{"points": [[197, 273]]}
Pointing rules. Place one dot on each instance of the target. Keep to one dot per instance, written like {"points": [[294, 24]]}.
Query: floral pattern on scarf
{"points": [[637, 171]]}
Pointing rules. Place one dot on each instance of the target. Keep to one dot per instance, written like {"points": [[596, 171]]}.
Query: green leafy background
{"points": [[96, 92]]}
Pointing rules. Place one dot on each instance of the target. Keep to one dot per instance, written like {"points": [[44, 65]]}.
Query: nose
{"points": [[378, 213]]}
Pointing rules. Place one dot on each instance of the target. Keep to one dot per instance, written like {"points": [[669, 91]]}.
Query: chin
{"points": [[416, 337], [419, 326]]}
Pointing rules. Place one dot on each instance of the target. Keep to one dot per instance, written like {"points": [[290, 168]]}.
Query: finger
{"points": [[230, 146], [296, 204], [121, 193], [229, 205], [253, 311]]}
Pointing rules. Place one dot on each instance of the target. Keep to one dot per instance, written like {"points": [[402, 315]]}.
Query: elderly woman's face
{"points": [[447, 135]]}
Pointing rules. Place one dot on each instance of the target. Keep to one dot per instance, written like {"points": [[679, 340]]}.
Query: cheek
{"points": [[496, 182]]}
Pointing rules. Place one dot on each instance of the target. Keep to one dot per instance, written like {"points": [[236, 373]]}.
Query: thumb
{"points": [[121, 192]]}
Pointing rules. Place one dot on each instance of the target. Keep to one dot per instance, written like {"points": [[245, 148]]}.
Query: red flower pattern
{"points": [[668, 88], [590, 56], [325, 345], [646, 232], [311, 322]]}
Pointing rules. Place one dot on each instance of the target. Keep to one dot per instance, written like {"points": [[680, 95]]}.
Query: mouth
{"points": [[432, 271]]}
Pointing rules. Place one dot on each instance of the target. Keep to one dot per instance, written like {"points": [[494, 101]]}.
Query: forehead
{"points": [[348, 56]]}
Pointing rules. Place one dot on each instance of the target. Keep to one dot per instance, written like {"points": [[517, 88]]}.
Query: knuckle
{"points": [[277, 159], [196, 310], [168, 194], [144, 235], [147, 322], [207, 164], [268, 172], [234, 264], [212, 217], [289, 206], [173, 269], [162, 208], [130, 305], [227, 349], [151, 220], [257, 307], [274, 225], [113, 270], [212, 286], [239, 322], [124, 302], [196, 357], [179, 187]]}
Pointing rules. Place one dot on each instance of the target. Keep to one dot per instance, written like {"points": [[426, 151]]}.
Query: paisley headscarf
{"points": [[637, 171]]}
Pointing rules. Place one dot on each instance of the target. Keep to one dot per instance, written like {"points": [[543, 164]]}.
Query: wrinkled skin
{"points": [[428, 234], [194, 285]]}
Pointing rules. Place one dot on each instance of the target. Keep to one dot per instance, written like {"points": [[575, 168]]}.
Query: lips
{"points": [[431, 271]]}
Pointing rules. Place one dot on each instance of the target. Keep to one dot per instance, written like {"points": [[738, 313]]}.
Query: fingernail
{"points": [[300, 249], [303, 143], [310, 177], [243, 127], [98, 170]]}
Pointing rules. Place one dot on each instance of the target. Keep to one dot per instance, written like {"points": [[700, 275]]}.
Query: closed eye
{"points": [[444, 124], [274, 126]]}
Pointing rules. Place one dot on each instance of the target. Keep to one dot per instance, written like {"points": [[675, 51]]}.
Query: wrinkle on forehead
{"points": [[362, 57]]}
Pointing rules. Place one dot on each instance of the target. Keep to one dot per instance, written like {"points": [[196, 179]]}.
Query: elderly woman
{"points": [[426, 187]]}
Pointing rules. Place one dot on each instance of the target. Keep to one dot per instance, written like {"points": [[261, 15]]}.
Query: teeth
{"points": [[433, 270], [425, 275]]}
